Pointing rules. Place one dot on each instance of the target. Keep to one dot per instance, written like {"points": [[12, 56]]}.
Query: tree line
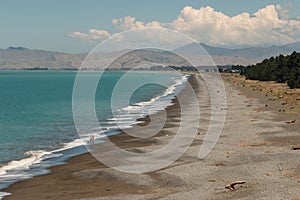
{"points": [[282, 69]]}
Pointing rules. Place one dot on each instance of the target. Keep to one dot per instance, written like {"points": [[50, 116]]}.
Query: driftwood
{"points": [[295, 147], [231, 185], [291, 122]]}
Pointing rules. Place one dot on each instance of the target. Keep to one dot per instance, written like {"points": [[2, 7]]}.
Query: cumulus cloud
{"points": [[92, 35], [282, 11], [268, 26], [130, 23]]}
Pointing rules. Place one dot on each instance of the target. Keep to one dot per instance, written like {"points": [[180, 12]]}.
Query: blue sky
{"points": [[38, 24]]}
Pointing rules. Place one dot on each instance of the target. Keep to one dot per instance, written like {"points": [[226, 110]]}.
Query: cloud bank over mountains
{"points": [[92, 35], [268, 26]]}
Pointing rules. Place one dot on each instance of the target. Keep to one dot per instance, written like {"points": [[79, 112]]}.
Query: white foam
{"points": [[120, 118], [3, 194], [72, 144], [119, 122], [17, 169], [126, 117], [34, 157]]}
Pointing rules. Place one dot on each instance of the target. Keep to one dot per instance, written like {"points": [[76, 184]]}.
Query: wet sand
{"points": [[255, 147]]}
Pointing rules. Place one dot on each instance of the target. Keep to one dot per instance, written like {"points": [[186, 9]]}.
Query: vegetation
{"points": [[282, 69]]}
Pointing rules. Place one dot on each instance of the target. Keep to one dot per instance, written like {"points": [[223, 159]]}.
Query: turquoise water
{"points": [[36, 114]]}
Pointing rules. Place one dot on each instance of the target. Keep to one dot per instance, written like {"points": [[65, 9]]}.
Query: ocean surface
{"points": [[36, 121]]}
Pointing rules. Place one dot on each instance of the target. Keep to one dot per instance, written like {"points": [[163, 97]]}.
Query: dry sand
{"points": [[255, 147], [288, 98]]}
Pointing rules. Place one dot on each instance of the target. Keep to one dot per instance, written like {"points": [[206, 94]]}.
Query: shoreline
{"points": [[255, 147], [120, 140], [68, 147]]}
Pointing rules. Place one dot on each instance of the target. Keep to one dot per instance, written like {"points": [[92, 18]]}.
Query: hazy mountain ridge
{"points": [[23, 58], [249, 52]]}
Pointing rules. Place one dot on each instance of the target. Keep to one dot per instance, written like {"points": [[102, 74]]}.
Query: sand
{"points": [[280, 92], [255, 147]]}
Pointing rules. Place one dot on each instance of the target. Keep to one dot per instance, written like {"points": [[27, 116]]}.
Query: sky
{"points": [[79, 25]]}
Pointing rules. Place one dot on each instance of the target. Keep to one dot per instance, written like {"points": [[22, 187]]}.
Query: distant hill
{"points": [[251, 52], [23, 58], [292, 47], [17, 48]]}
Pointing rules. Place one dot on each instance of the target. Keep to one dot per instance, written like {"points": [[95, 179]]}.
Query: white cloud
{"points": [[282, 12], [130, 23], [268, 26], [92, 35]]}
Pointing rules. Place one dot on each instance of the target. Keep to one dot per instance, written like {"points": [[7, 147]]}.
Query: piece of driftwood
{"points": [[291, 122], [295, 147], [231, 185]]}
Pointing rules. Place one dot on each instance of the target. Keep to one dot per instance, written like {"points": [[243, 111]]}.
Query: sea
{"points": [[37, 130]]}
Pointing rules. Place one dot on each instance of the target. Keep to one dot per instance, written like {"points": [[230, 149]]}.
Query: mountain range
{"points": [[23, 58], [250, 52]]}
